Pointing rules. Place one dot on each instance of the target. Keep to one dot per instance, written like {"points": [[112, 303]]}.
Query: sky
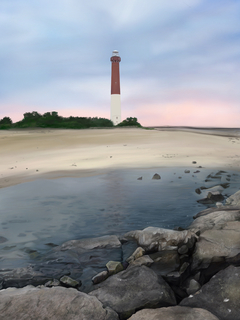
{"points": [[180, 59]]}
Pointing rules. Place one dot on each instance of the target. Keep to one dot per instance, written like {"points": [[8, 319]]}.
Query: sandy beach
{"points": [[26, 155]]}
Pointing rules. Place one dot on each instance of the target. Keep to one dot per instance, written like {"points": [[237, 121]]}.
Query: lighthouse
{"points": [[115, 89]]}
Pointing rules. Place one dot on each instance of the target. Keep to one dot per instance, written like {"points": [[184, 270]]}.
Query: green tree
{"points": [[53, 120], [129, 122], [6, 120], [32, 115], [5, 123]]}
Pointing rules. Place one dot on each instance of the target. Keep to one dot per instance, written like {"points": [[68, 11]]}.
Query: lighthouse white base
{"points": [[116, 108]]}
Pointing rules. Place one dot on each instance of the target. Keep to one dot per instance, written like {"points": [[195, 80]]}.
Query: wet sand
{"points": [[26, 155]]}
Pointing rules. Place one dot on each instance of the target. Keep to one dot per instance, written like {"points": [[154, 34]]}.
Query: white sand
{"points": [[26, 155]]}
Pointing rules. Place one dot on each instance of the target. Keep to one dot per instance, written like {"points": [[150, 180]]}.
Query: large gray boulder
{"points": [[51, 303], [217, 245], [214, 209], [174, 313], [133, 289], [214, 219], [234, 200], [220, 296], [157, 239]]}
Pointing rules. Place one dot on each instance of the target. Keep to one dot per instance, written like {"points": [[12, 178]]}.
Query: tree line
{"points": [[53, 120]]}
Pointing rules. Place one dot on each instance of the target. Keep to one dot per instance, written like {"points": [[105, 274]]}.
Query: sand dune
{"points": [[26, 155]]}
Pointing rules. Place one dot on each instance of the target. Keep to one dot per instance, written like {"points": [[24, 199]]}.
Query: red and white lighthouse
{"points": [[115, 89]]}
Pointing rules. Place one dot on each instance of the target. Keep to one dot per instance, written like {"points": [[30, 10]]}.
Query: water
{"points": [[37, 214]]}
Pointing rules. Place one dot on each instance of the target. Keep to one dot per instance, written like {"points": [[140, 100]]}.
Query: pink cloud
{"points": [[214, 114]]}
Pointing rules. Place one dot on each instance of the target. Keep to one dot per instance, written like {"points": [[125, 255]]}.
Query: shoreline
{"points": [[28, 154]]}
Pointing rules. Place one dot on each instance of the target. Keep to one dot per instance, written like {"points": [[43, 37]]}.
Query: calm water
{"points": [[37, 213]]}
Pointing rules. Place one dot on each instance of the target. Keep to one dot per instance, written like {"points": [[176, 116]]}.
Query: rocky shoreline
{"points": [[149, 274]]}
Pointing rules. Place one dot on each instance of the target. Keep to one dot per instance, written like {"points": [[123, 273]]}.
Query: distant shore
{"points": [[229, 132], [31, 154]]}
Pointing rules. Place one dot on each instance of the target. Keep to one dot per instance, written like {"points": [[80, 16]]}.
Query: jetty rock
{"points": [[173, 313], [158, 239], [234, 200], [220, 296], [214, 218], [133, 289], [219, 240], [51, 303]]}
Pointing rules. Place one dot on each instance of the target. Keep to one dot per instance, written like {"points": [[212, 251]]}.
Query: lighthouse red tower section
{"points": [[115, 81]]}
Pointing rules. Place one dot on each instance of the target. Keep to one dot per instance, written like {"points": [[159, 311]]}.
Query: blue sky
{"points": [[180, 59]]}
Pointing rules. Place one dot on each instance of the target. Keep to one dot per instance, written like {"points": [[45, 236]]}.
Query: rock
{"points": [[158, 239], [184, 267], [100, 277], [212, 197], [205, 201], [173, 278], [183, 249], [139, 252], [156, 177], [186, 171], [179, 229], [220, 296], [197, 276], [51, 303], [91, 243], [173, 313], [215, 196], [50, 244], [213, 218], [219, 204], [140, 178], [125, 264], [205, 212], [234, 200], [218, 188], [142, 261], [212, 176], [194, 162], [217, 245], [69, 282], [114, 267], [198, 191], [165, 262], [21, 277], [193, 287], [52, 283], [225, 185], [3, 239], [132, 289], [220, 172]]}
